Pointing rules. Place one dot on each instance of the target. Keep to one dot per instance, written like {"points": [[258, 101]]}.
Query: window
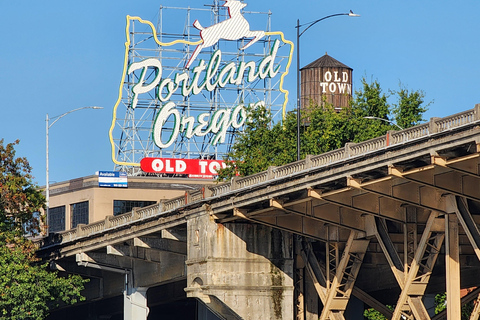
{"points": [[79, 213], [56, 219], [124, 206]]}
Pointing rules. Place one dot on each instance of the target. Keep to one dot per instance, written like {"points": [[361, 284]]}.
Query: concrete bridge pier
{"points": [[240, 270], [135, 304]]}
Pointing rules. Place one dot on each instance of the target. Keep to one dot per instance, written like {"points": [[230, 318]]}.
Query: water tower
{"points": [[326, 79]]}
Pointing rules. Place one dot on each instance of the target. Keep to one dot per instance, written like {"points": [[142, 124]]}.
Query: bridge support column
{"points": [[135, 304], [452, 262], [240, 270]]}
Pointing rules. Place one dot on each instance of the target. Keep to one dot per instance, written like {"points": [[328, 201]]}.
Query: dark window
{"points": [[124, 206], [56, 219], [79, 213]]}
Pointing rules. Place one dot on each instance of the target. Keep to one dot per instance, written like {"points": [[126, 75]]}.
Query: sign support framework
{"points": [[131, 131]]}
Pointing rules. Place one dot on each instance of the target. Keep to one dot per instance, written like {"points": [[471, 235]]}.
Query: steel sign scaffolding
{"points": [[131, 133]]}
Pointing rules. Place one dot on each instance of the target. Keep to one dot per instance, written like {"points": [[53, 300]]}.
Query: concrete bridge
{"points": [[392, 220]]}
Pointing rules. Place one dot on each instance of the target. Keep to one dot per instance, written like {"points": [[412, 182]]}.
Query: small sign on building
{"points": [[112, 179]]}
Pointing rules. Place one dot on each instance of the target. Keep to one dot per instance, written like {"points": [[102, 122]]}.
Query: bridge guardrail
{"points": [[436, 125], [402, 136], [328, 157], [257, 178], [355, 149], [457, 120], [220, 189]]}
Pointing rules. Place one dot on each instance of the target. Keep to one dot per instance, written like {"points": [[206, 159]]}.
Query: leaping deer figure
{"points": [[236, 27]]}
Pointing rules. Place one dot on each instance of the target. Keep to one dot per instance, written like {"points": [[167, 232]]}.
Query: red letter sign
{"points": [[195, 168]]}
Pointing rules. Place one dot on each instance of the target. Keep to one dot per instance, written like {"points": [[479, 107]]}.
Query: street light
{"points": [[47, 185], [377, 118], [299, 34]]}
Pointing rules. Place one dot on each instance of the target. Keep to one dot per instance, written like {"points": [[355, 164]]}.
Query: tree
{"points": [[27, 289], [409, 110], [370, 101], [372, 314], [263, 144], [260, 145], [19, 197]]}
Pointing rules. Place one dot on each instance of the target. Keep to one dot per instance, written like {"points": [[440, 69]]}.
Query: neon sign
{"points": [[169, 91], [216, 123], [194, 168], [213, 78]]}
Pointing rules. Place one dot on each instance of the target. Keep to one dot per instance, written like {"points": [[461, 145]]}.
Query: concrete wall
{"points": [[240, 271]]}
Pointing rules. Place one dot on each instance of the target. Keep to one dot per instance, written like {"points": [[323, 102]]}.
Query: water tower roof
{"points": [[326, 62]]}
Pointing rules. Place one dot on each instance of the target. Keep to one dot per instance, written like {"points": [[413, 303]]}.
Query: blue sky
{"points": [[60, 55]]}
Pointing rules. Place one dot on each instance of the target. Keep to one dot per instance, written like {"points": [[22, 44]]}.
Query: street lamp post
{"points": [[47, 184], [385, 120], [299, 34]]}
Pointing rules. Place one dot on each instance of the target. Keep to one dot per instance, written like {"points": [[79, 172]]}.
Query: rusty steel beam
{"points": [[409, 287], [357, 184], [442, 162], [318, 194], [393, 171], [452, 266], [341, 288]]}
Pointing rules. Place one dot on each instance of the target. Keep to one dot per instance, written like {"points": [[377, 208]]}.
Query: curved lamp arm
{"points": [[385, 120], [64, 114], [47, 182], [311, 24]]}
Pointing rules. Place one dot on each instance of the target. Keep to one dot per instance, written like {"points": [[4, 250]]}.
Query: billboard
{"points": [[186, 86], [193, 168]]}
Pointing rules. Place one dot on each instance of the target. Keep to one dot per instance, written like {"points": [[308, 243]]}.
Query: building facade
{"points": [[83, 200]]}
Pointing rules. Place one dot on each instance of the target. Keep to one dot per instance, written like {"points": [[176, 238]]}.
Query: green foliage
{"points": [[440, 302], [441, 305], [370, 101], [327, 130], [19, 196], [467, 310], [263, 144], [27, 288], [409, 109], [372, 314]]}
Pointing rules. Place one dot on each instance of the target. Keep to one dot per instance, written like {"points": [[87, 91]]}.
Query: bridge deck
{"points": [[394, 192]]}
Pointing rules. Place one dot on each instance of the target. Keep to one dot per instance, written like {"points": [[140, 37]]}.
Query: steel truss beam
{"points": [[476, 310], [306, 227], [450, 164], [315, 271], [452, 267], [407, 175], [342, 284], [413, 280], [317, 274], [357, 184], [327, 197], [460, 207], [283, 207]]}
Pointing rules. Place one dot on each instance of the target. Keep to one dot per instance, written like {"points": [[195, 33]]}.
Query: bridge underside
{"points": [[387, 234], [390, 228]]}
